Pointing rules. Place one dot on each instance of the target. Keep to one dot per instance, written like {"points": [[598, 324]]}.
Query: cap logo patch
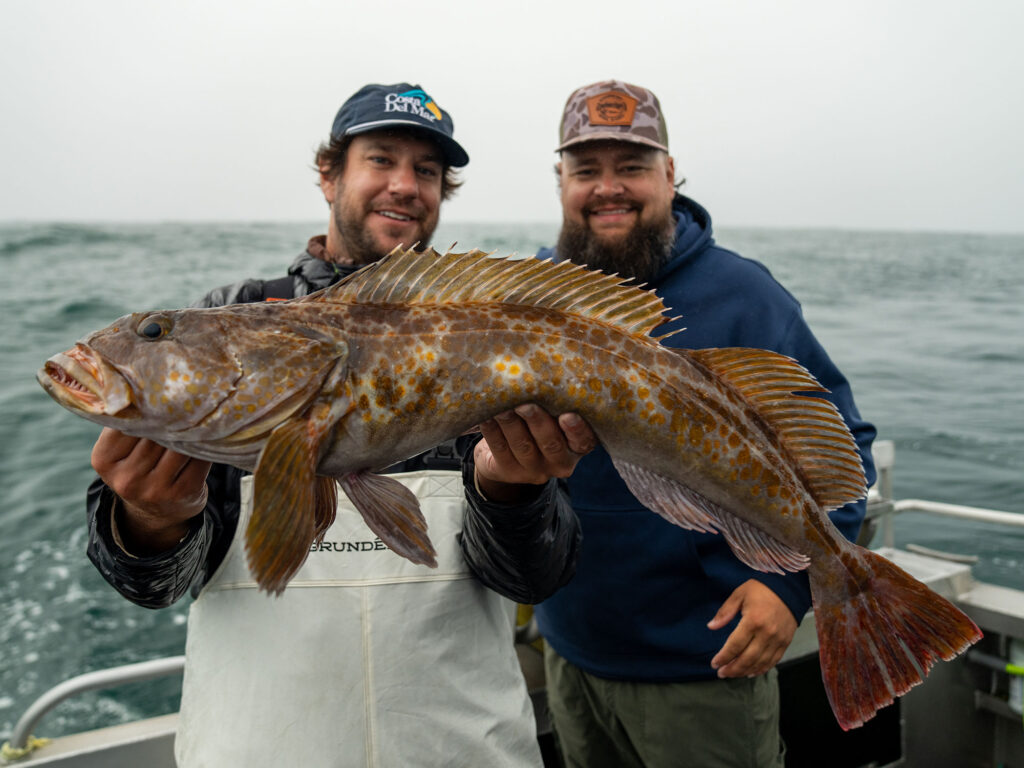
{"points": [[611, 108], [416, 102]]}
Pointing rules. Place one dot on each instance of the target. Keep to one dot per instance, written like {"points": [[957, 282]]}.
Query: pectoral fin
{"points": [[392, 512], [292, 506]]}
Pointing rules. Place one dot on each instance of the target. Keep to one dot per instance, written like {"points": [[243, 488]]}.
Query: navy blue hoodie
{"points": [[645, 589]]}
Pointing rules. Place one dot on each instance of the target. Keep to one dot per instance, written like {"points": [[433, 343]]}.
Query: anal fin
{"points": [[391, 511], [688, 509]]}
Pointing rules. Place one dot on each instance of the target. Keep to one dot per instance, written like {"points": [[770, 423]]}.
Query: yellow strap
{"points": [[9, 754]]}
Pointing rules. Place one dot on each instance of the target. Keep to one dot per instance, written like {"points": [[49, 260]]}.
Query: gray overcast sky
{"points": [[886, 114]]}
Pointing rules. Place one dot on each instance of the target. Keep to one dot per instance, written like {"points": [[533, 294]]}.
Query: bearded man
{"points": [[364, 659], [662, 649]]}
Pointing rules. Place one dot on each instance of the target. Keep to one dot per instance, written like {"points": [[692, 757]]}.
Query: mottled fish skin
{"points": [[418, 348]]}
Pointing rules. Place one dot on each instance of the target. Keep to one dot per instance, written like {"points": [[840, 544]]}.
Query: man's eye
{"points": [[427, 171]]}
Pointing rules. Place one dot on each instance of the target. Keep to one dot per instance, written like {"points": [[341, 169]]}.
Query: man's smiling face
{"points": [[388, 194], [612, 187]]}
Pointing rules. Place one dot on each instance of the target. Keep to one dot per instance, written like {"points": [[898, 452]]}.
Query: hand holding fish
{"points": [[161, 490], [527, 446], [765, 630]]}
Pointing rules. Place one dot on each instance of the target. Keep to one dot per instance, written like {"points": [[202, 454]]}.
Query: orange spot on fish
{"points": [[696, 434]]}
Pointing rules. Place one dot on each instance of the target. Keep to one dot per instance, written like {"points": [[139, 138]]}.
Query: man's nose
{"points": [[609, 185], [403, 181]]}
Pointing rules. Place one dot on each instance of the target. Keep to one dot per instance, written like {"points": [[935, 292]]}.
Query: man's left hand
{"points": [[765, 630]]}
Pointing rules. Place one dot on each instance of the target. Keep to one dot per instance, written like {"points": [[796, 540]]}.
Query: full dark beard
{"points": [[641, 254]]}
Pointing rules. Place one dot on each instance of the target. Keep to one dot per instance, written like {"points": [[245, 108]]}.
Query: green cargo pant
{"points": [[601, 723]]}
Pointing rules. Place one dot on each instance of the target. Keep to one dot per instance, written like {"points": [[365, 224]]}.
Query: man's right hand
{"points": [[160, 490], [526, 447]]}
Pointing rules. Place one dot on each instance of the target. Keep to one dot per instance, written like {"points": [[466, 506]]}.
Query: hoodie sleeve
{"points": [[524, 552]]}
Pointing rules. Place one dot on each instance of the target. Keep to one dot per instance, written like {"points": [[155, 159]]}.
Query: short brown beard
{"points": [[360, 248], [641, 254]]}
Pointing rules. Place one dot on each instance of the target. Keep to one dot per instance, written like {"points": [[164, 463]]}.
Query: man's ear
{"points": [[670, 166]]}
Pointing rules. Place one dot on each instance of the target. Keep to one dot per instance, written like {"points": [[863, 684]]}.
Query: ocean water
{"points": [[929, 328]]}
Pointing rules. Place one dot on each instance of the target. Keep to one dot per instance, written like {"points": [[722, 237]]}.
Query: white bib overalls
{"points": [[364, 660]]}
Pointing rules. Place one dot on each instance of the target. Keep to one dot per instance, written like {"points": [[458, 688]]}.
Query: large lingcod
{"points": [[420, 347]]}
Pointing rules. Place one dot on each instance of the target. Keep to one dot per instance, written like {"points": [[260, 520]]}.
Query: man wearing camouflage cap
{"points": [[661, 650]]}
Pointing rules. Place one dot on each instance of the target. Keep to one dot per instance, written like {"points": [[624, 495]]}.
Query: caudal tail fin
{"points": [[879, 634]]}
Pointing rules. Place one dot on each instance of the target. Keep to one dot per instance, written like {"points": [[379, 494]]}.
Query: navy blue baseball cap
{"points": [[379, 107]]}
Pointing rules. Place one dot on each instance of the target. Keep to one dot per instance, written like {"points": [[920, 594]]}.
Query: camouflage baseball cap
{"points": [[613, 110]]}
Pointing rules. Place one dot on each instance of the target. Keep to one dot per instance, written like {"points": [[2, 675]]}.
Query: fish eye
{"points": [[154, 327]]}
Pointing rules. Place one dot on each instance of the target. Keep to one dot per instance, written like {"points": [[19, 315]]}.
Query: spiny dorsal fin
{"points": [[811, 428], [408, 277]]}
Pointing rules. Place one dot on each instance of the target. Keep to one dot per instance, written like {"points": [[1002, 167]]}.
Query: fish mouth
{"points": [[82, 381]]}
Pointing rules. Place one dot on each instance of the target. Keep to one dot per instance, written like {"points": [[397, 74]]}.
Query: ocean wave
{"points": [[18, 238]]}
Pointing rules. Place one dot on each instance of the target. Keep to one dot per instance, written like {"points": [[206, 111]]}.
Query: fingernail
{"points": [[525, 410]]}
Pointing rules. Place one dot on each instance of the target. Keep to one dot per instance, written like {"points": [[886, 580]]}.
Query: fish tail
{"points": [[879, 632]]}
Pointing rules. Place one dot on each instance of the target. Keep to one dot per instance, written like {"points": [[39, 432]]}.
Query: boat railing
{"points": [[882, 508], [90, 681]]}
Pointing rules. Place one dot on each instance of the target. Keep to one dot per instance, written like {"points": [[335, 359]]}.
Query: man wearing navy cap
{"points": [[394, 147], [365, 659]]}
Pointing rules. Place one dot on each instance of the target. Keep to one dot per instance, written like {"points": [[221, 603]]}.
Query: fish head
{"points": [[194, 374]]}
